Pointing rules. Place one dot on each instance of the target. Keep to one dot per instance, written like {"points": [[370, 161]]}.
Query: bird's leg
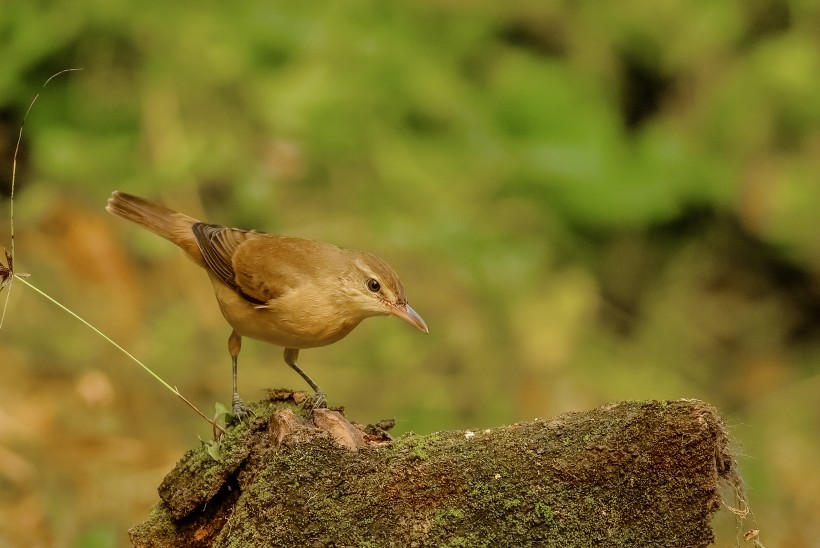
{"points": [[240, 410], [319, 401]]}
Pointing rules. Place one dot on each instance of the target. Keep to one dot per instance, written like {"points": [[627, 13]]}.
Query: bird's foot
{"points": [[239, 410], [319, 401]]}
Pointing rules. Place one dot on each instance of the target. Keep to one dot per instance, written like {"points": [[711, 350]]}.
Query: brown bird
{"points": [[292, 292]]}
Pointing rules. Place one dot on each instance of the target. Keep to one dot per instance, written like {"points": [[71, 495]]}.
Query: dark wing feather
{"points": [[218, 245]]}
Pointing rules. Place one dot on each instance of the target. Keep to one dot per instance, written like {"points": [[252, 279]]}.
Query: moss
{"points": [[458, 542], [479, 489], [544, 512], [509, 504], [446, 515], [416, 447], [532, 484], [418, 453]]}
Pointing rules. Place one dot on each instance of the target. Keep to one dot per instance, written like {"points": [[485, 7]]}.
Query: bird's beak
{"points": [[409, 315]]}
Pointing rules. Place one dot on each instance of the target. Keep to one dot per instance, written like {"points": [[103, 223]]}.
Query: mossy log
{"points": [[631, 474]]}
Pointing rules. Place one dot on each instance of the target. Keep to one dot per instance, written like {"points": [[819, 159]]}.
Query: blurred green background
{"points": [[588, 202]]}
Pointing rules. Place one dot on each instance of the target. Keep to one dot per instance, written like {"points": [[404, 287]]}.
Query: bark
{"points": [[632, 474]]}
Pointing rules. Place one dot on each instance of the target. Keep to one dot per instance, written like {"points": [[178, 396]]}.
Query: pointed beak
{"points": [[409, 315]]}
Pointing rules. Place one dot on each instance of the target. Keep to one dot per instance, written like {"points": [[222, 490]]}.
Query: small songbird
{"points": [[292, 292]]}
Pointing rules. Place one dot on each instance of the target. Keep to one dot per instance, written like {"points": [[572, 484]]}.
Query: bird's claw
{"points": [[319, 401], [239, 410]]}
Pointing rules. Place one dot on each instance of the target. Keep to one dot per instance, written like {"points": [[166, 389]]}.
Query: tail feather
{"points": [[171, 225]]}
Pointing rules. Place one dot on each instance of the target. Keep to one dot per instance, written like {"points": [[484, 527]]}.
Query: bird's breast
{"points": [[293, 320]]}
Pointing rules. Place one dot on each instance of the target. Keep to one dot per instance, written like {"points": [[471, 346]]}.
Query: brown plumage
{"points": [[292, 292]]}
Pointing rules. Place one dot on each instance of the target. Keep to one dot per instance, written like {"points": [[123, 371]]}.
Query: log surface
{"points": [[626, 474]]}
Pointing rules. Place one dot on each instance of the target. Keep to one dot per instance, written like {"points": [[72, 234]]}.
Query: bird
{"points": [[295, 293]]}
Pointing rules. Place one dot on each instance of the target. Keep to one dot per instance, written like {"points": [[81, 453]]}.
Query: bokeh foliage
{"points": [[587, 202]]}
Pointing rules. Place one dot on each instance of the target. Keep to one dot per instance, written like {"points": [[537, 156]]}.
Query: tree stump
{"points": [[631, 474]]}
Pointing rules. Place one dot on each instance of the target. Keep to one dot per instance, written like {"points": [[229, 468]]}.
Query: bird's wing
{"points": [[218, 244], [269, 266]]}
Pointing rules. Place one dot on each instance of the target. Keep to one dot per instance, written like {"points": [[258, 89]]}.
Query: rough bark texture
{"points": [[631, 474]]}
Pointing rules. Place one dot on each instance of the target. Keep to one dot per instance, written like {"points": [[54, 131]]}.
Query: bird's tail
{"points": [[170, 224]]}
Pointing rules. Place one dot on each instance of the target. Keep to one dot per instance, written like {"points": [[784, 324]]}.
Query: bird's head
{"points": [[373, 287]]}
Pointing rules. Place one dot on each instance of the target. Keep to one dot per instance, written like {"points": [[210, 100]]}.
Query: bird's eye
{"points": [[373, 285]]}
